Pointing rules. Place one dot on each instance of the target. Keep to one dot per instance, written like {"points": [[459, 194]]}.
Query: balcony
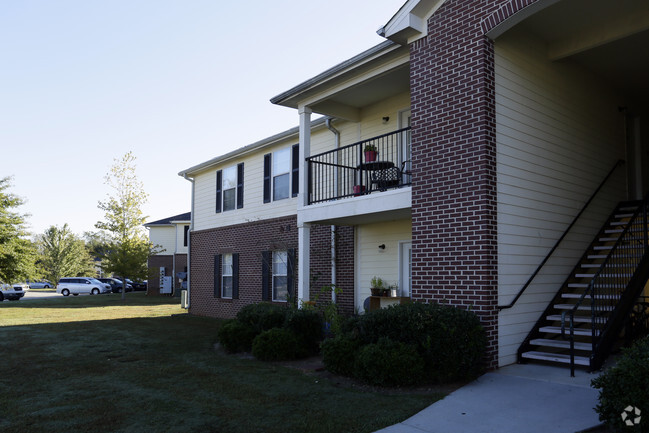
{"points": [[370, 166]]}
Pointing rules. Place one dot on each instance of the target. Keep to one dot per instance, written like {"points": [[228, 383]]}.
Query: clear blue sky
{"points": [[175, 82]]}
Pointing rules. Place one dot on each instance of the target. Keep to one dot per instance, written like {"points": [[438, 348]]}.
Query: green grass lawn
{"points": [[97, 364]]}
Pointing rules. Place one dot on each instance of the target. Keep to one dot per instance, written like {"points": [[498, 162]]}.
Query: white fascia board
{"points": [[235, 154], [411, 21]]}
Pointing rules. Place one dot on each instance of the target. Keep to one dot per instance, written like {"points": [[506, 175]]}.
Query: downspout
{"points": [[333, 227], [189, 241]]}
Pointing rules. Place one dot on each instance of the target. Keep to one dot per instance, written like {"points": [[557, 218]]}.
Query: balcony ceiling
{"points": [[379, 88], [609, 38]]}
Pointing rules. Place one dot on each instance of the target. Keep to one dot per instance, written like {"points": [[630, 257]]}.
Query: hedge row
{"points": [[272, 332], [407, 344]]}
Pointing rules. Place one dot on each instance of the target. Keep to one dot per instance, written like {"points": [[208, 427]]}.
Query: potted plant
{"points": [[370, 152], [377, 286]]}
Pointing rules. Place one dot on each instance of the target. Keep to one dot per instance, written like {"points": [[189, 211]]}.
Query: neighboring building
{"points": [[172, 236], [494, 122]]}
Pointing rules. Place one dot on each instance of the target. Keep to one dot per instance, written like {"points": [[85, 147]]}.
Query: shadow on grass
{"points": [[162, 374], [84, 301]]}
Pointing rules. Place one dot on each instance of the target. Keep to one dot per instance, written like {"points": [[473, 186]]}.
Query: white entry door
{"points": [[405, 268]]}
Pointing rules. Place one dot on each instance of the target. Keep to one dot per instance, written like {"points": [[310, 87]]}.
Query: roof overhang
{"points": [[342, 91], [292, 133], [411, 21]]}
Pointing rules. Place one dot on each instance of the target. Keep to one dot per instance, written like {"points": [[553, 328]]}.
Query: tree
{"points": [[63, 254], [17, 253], [128, 247]]}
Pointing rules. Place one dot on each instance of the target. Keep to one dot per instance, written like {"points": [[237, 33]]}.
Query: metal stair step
{"points": [[608, 231], [577, 285], [618, 223], [584, 332], [562, 344], [596, 256], [623, 215], [584, 275], [608, 239], [578, 295], [583, 307], [578, 319], [556, 357]]}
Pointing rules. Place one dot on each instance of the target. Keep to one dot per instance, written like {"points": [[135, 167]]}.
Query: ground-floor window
{"points": [[226, 267], [280, 275]]}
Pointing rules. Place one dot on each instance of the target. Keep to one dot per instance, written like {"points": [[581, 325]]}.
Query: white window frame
{"points": [[229, 171], [275, 173], [274, 274], [227, 271]]}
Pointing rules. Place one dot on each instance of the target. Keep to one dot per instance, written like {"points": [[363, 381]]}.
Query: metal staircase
{"points": [[586, 316]]}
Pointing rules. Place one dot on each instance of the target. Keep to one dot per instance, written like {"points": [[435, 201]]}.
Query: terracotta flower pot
{"points": [[370, 155]]}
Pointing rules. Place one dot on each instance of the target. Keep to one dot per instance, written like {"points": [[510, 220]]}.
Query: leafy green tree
{"points": [[128, 247], [63, 254], [17, 253]]}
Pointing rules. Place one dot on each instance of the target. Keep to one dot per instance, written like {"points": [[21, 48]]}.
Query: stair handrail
{"points": [[590, 291], [618, 163]]}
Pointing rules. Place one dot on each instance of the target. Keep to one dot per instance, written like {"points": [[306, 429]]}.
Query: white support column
{"points": [[305, 152], [303, 262]]}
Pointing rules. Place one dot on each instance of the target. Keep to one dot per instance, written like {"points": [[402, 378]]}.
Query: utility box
{"points": [[165, 285], [184, 300]]}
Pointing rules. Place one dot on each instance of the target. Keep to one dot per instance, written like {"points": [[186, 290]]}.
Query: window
{"points": [[186, 228], [229, 188], [280, 276], [281, 174], [226, 276], [277, 268]]}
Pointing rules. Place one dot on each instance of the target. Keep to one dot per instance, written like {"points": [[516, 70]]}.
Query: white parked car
{"points": [[78, 285], [13, 292]]}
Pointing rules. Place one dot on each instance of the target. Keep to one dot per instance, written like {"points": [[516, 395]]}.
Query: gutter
{"points": [[189, 241]]}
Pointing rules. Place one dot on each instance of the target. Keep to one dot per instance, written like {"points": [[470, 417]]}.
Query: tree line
{"points": [[119, 247]]}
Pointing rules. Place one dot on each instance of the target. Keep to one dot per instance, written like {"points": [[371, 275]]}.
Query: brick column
{"points": [[454, 224]]}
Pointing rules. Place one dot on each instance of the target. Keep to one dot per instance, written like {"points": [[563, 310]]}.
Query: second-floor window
{"points": [[229, 188], [281, 174]]}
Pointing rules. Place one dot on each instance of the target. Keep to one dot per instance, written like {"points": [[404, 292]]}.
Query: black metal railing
{"points": [[614, 287], [368, 166], [558, 242]]}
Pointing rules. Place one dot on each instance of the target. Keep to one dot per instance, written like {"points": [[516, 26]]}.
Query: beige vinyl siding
{"points": [[254, 208], [558, 134], [180, 239], [372, 261], [164, 237]]}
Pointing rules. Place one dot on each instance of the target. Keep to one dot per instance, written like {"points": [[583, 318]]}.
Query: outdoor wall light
{"points": [[382, 246], [386, 119]]}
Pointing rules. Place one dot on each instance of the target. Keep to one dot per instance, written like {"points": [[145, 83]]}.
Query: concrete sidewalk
{"points": [[518, 398]]}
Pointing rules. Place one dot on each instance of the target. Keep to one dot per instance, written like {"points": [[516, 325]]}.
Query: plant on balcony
{"points": [[370, 152], [377, 286]]}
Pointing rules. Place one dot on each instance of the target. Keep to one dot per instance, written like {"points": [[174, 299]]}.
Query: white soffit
{"points": [[411, 21]]}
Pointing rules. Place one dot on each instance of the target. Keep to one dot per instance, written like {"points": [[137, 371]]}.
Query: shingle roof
{"points": [[187, 216]]}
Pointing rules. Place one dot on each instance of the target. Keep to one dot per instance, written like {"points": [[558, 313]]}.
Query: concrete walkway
{"points": [[522, 398]]}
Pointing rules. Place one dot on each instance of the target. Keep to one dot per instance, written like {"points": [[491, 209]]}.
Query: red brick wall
{"points": [[249, 240], [454, 227], [156, 262]]}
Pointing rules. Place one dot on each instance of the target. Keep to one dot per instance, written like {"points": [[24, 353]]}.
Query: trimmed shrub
{"points": [[339, 354], [624, 385], [263, 316], [451, 341], [389, 363], [306, 325], [235, 336], [277, 344]]}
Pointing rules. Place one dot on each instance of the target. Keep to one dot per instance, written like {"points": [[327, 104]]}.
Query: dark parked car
{"points": [[137, 285], [116, 285]]}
